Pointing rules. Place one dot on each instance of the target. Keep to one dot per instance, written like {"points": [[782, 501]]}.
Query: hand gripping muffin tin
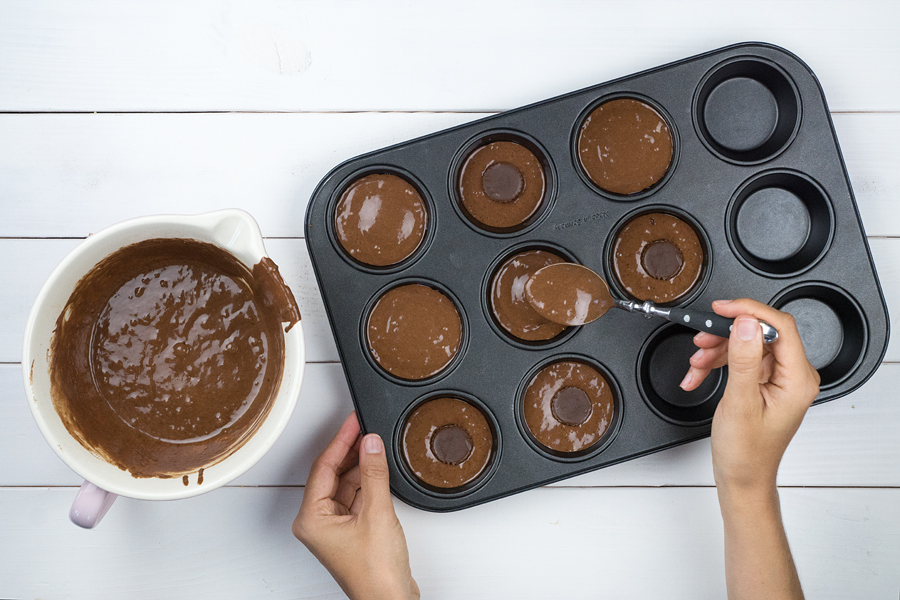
{"points": [[754, 169]]}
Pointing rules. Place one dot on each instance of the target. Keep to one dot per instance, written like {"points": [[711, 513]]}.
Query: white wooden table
{"points": [[115, 110]]}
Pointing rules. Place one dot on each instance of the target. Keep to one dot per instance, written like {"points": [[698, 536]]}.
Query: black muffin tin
{"points": [[752, 138]]}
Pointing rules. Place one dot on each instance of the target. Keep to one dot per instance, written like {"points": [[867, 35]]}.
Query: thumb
{"points": [[745, 350], [373, 474]]}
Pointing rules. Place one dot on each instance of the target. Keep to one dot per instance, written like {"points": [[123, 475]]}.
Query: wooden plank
{"points": [[552, 543], [35, 259], [71, 175], [349, 56], [848, 442]]}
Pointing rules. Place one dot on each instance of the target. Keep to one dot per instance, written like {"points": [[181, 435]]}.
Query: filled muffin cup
{"points": [[447, 443], [502, 183], [414, 332], [381, 219], [625, 146], [569, 408]]}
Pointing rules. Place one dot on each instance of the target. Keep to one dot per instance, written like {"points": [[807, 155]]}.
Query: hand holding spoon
{"points": [[571, 294]]}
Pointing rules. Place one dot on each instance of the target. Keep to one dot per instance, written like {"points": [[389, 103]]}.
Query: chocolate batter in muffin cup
{"points": [[448, 443], [414, 331], [380, 219], [502, 182], [625, 147], [569, 408], [658, 254]]}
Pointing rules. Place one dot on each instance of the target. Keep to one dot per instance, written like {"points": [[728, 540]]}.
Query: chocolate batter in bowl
{"points": [[164, 352]]}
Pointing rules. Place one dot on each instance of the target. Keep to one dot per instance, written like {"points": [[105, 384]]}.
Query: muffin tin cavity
{"points": [[502, 182], [662, 365], [658, 254], [414, 331], [507, 308], [569, 408], [659, 181], [747, 110], [380, 219], [447, 443], [832, 326], [625, 147], [780, 223]]}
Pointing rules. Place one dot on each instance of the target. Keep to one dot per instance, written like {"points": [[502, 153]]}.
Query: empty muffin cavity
{"points": [[780, 223], [747, 110], [832, 327], [662, 364]]}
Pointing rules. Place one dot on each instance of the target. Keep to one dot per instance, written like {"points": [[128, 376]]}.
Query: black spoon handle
{"points": [[705, 320]]}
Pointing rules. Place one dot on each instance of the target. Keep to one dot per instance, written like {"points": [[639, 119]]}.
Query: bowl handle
{"points": [[90, 504]]}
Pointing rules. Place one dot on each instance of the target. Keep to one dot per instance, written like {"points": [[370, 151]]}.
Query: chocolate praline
{"points": [[659, 257], [447, 442], [568, 407], [625, 146], [380, 219], [414, 331], [501, 185], [508, 302]]}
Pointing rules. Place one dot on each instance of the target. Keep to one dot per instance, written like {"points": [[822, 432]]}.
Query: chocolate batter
{"points": [[447, 443], [508, 302], [380, 220], [568, 294], [625, 146], [568, 407], [658, 257], [168, 355], [414, 331], [501, 185]]}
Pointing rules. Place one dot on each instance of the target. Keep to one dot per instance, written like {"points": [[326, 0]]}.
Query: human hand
{"points": [[768, 392], [347, 518]]}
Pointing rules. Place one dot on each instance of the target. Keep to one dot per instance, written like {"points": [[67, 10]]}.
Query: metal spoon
{"points": [[573, 295]]}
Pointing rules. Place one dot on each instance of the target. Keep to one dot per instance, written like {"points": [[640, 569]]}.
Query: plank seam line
{"points": [[333, 112]]}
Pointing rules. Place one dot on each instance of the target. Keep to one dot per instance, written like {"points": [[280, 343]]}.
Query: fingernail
{"points": [[372, 444], [720, 302], [687, 380], [747, 329], [697, 355]]}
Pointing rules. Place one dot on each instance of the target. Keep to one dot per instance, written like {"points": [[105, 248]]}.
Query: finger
{"points": [[788, 348], [348, 486], [323, 477], [375, 489], [710, 358], [745, 354], [767, 367], [693, 378], [707, 340]]}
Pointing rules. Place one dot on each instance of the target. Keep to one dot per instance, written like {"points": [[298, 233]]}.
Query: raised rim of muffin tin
{"points": [[576, 134], [502, 134], [364, 333], [605, 440], [430, 215], [565, 335], [652, 341], [613, 282], [701, 95], [465, 489], [849, 310], [823, 239]]}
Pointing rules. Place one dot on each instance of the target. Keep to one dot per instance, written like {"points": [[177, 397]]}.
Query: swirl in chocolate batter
{"points": [[168, 355]]}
